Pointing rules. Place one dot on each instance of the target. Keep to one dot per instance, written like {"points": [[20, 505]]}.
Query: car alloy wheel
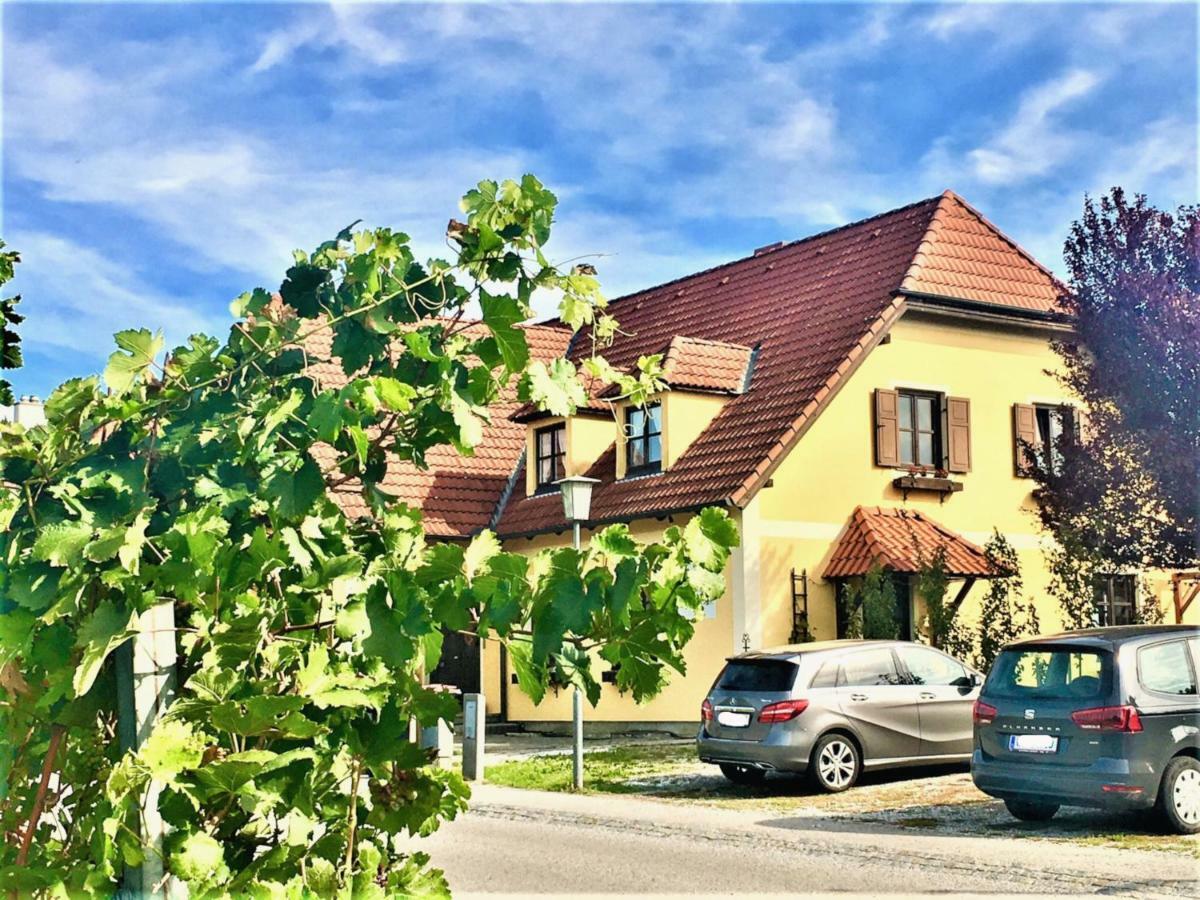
{"points": [[1185, 796], [836, 764]]}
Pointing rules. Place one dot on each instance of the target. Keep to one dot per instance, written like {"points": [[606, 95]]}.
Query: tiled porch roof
{"points": [[902, 540]]}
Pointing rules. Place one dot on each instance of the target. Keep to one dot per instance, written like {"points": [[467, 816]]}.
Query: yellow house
{"points": [[850, 398]]}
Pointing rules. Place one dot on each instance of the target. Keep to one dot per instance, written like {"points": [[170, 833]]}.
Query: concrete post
{"points": [[441, 738], [145, 688], [577, 761], [474, 730]]}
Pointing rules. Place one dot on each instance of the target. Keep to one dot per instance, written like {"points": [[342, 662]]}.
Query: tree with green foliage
{"points": [[931, 584], [10, 341], [869, 606], [191, 478], [1005, 614]]}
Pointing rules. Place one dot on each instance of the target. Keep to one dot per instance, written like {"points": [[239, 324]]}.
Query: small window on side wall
{"points": [[1116, 599], [1039, 431], [643, 439], [550, 455]]}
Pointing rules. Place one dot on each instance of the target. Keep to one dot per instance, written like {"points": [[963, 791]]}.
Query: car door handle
{"points": [[926, 695], [858, 696]]}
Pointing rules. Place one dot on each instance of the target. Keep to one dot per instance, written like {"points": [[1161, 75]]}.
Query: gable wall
{"points": [[831, 470]]}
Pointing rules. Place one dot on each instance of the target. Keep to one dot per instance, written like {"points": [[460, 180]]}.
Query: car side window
{"points": [[1167, 669], [927, 666], [870, 667], [826, 676]]}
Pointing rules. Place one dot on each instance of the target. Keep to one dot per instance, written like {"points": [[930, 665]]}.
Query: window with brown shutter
{"points": [[1025, 438], [958, 434], [887, 429]]}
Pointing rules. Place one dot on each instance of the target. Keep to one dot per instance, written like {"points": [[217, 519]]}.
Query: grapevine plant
{"points": [[207, 478]]}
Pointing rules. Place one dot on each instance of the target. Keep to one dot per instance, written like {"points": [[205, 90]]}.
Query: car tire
{"points": [[748, 776], [835, 764], [1179, 795], [1031, 811]]}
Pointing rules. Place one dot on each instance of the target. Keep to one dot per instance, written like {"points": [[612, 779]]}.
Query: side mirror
{"points": [[976, 680]]}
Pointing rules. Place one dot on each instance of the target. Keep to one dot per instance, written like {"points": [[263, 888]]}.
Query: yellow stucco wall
{"points": [[832, 469], [794, 523], [586, 438], [685, 415], [678, 702]]}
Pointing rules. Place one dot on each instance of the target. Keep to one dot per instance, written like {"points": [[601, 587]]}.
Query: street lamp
{"points": [[577, 505]]}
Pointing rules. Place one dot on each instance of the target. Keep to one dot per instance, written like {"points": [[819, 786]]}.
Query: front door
{"points": [[880, 706], [460, 663]]}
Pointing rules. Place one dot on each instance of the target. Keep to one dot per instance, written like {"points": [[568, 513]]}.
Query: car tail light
{"points": [[1121, 788], [706, 711], [783, 711], [1108, 718], [983, 713]]}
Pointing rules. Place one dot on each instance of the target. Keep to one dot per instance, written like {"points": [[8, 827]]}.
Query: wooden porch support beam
{"points": [[1183, 599], [962, 594]]}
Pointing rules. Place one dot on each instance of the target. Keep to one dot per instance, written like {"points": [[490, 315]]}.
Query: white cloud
{"points": [[348, 25], [952, 19], [82, 298], [1033, 142]]}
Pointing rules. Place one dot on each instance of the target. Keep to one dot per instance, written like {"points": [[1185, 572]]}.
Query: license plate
{"points": [[733, 719], [1033, 743]]}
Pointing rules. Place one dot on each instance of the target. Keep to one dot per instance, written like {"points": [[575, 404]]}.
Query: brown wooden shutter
{"points": [[1083, 431], [1024, 433], [887, 427], [958, 434]]}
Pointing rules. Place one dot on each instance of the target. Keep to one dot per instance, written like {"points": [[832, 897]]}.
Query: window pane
{"points": [[925, 449], [637, 454], [637, 421], [654, 451], [1056, 674], [545, 469], [1042, 417], [870, 667], [656, 418], [925, 413], [906, 419], [765, 675], [930, 667], [1167, 669], [545, 443], [906, 447]]}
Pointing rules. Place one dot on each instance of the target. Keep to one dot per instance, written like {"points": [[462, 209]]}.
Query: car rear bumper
{"points": [[781, 750], [1107, 783]]}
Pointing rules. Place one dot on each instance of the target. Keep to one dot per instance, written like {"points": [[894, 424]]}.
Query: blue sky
{"points": [[161, 158]]}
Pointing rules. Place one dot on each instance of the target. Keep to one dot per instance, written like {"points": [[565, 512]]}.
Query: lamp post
{"points": [[577, 504]]}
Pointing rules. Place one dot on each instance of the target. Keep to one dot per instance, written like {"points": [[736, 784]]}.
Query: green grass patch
{"points": [[620, 770]]}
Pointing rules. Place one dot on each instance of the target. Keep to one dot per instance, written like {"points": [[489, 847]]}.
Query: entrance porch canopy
{"points": [[905, 541]]}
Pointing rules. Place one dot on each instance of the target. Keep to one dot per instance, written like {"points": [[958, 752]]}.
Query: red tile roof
{"points": [[457, 494], [813, 308], [901, 540]]}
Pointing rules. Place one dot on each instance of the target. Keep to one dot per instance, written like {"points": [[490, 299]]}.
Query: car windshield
{"points": [[1051, 673], [757, 675]]}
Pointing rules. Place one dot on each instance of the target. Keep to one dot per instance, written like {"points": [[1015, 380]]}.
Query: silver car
{"points": [[835, 708]]}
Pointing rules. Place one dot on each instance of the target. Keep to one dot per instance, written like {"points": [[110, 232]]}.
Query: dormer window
{"points": [[643, 439], [550, 449]]}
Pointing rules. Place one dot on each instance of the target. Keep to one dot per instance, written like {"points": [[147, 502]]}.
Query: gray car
{"points": [[835, 708], [1108, 717]]}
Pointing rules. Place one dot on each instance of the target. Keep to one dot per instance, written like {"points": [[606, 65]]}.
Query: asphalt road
{"points": [[529, 843]]}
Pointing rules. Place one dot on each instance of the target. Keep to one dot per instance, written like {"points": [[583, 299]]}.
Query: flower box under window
{"points": [[930, 483]]}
